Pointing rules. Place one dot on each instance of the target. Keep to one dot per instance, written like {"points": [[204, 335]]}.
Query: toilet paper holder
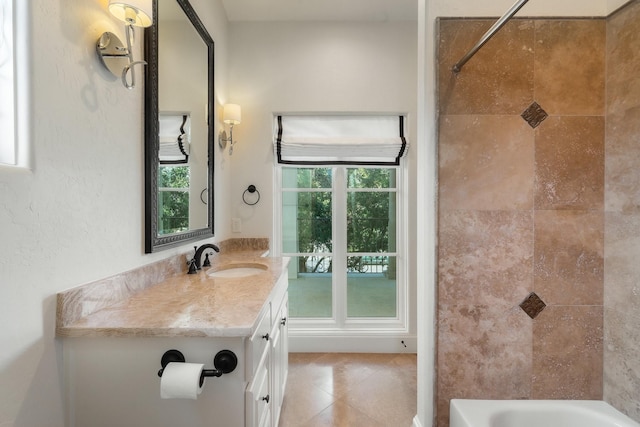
{"points": [[225, 361]]}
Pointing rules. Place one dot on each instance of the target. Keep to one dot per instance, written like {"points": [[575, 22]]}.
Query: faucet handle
{"points": [[207, 262], [192, 266]]}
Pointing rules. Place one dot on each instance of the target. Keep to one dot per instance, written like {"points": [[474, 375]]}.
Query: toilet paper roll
{"points": [[181, 381]]}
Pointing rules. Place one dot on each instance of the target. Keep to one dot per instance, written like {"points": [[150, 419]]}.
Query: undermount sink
{"points": [[238, 270]]}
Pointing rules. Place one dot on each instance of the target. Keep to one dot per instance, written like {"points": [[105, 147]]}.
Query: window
{"points": [[339, 226], [340, 180], [8, 150], [173, 199], [174, 174]]}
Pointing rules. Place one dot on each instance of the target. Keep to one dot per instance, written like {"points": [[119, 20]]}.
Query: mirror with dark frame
{"points": [[179, 127]]}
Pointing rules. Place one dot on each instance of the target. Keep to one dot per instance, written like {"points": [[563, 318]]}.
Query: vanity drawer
{"points": [[258, 407], [259, 341]]}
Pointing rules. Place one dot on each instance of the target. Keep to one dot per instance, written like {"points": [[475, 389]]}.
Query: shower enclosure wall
{"points": [[539, 211]]}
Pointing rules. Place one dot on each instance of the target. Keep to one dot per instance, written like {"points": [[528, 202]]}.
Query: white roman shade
{"points": [[175, 136], [330, 140]]}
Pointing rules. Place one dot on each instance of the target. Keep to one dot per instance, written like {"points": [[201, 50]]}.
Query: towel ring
{"points": [[202, 196], [250, 189]]}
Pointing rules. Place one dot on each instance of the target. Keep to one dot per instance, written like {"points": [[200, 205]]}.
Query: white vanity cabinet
{"points": [[112, 380], [265, 392], [279, 357]]}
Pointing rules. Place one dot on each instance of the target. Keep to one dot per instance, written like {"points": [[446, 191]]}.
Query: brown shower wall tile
{"points": [[623, 40], [569, 257], [621, 377], [622, 179], [567, 353], [486, 163], [483, 353], [622, 299], [521, 210], [570, 163], [622, 218], [570, 66], [498, 79], [485, 257], [622, 269], [622, 163]]}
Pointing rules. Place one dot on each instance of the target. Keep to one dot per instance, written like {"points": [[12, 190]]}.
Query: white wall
{"points": [[77, 216], [466, 8], [310, 67]]}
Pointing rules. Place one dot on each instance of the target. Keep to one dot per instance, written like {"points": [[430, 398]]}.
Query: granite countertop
{"points": [[192, 305]]}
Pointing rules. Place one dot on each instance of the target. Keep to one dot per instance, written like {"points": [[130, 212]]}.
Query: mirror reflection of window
{"points": [[173, 199], [174, 177], [175, 139]]}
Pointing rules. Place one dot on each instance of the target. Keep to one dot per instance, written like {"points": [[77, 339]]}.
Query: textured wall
{"points": [[77, 215], [521, 211], [622, 216]]}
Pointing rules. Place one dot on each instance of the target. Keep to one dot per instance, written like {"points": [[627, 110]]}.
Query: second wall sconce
{"points": [[232, 116], [115, 56]]}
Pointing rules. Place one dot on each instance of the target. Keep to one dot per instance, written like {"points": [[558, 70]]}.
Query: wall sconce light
{"points": [[232, 116], [117, 58]]}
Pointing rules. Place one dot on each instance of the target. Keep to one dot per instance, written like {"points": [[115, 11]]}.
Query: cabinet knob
{"points": [[266, 398], [283, 321], [266, 337]]}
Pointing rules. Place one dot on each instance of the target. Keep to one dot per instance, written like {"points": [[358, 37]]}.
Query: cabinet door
{"points": [[279, 357], [284, 345], [259, 342], [258, 399]]}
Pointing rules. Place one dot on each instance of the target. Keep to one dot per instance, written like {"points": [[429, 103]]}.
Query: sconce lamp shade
{"points": [[133, 12], [232, 114]]}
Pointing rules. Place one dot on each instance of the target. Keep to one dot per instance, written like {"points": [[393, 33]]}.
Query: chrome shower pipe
{"points": [[485, 38]]}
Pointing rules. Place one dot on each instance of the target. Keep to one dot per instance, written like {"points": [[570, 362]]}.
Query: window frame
{"points": [[8, 148], [185, 190], [19, 133], [339, 322]]}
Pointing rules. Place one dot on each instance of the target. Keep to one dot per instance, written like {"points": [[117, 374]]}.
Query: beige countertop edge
{"points": [[82, 332], [193, 293]]}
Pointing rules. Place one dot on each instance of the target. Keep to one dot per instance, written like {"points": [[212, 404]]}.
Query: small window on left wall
{"points": [[8, 146], [14, 84]]}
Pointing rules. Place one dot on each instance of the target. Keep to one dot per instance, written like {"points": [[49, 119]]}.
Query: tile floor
{"points": [[350, 390]]}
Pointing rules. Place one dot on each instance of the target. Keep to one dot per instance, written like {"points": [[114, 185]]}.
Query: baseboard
{"points": [[416, 422], [304, 342]]}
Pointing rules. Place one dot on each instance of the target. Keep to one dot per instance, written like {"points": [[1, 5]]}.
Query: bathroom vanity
{"points": [[112, 352]]}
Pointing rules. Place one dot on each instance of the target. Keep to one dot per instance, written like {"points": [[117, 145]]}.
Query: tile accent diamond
{"points": [[534, 115], [532, 305]]}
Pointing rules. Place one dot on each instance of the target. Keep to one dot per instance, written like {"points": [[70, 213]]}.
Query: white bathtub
{"points": [[536, 413]]}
